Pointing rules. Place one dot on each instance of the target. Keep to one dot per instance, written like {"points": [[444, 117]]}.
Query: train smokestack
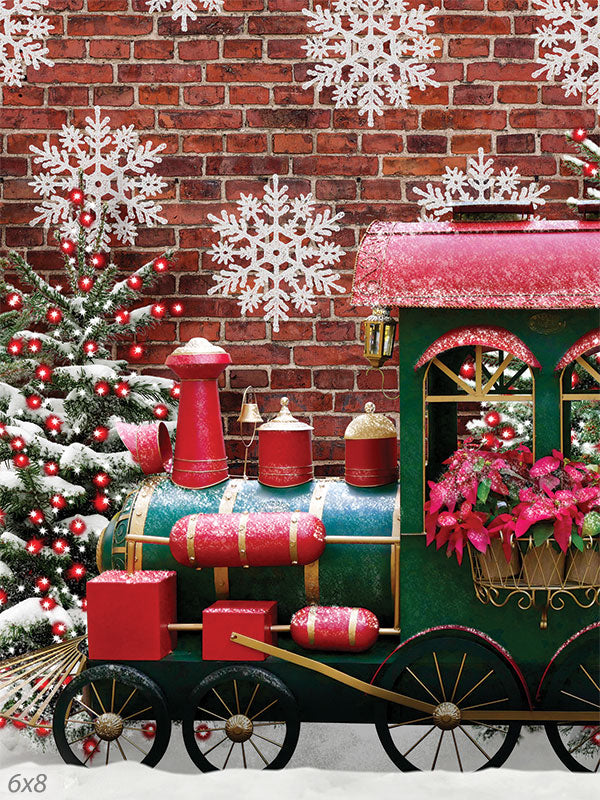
{"points": [[199, 459]]}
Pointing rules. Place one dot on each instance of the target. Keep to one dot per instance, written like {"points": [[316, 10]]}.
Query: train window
{"points": [[580, 399], [480, 392]]}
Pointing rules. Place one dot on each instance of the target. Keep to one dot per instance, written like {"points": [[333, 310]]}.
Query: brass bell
{"points": [[249, 412]]}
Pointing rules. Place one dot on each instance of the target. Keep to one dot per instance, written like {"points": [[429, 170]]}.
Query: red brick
{"points": [[288, 118], [381, 189], [209, 120], [202, 144], [239, 331], [514, 48], [518, 94], [468, 48], [420, 166], [242, 95], [286, 48], [241, 378], [337, 142], [293, 96], [463, 24], [469, 95], [204, 95], [158, 73], [245, 165], [200, 190], [541, 118], [158, 95], [109, 48], [113, 95], [348, 165], [74, 73], [67, 96], [22, 96], [516, 143], [492, 71], [336, 190], [292, 143], [246, 142], [555, 96], [382, 143], [465, 119], [242, 48], [426, 144], [152, 49], [109, 25], [43, 119], [251, 73], [470, 143], [199, 50]]}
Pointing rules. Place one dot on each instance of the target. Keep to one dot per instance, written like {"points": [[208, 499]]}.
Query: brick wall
{"points": [[227, 100]]}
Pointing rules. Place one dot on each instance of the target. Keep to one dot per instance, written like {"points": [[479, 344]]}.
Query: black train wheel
{"points": [[455, 672], [574, 685], [242, 717], [111, 713]]}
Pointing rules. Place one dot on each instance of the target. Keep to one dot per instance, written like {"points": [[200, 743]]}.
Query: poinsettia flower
{"points": [[546, 465], [504, 527]]}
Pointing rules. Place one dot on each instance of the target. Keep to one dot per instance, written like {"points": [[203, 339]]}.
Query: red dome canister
{"points": [[285, 450], [371, 450], [350, 630]]}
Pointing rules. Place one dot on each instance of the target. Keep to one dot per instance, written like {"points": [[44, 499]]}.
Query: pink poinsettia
{"points": [[456, 528]]}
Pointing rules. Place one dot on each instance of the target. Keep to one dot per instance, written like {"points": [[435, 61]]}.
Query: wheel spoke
{"points": [[224, 739], [107, 752], [133, 744], [439, 674], [228, 755], [244, 756], [87, 708], [118, 743], [477, 745], [98, 696], [79, 739], [460, 766], [485, 725], [272, 741], [597, 765], [437, 750], [237, 699], [264, 724], [120, 711], [112, 697], [78, 721], [89, 755], [590, 677], [462, 664], [587, 702], [212, 713], [136, 713], [229, 711], [256, 688], [259, 753], [425, 735], [583, 741], [416, 677], [408, 722], [485, 677], [488, 703], [264, 709]]}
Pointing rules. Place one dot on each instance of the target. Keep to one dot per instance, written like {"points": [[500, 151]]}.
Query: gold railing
{"points": [[539, 577]]}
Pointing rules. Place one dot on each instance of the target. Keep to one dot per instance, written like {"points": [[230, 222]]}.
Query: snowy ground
{"points": [[350, 761]]}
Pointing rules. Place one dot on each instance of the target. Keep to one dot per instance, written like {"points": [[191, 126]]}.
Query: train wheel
{"points": [[455, 674], [111, 713], [241, 717], [575, 686]]}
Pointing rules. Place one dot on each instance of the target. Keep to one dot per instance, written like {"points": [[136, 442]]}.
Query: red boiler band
{"points": [[334, 628], [261, 539]]}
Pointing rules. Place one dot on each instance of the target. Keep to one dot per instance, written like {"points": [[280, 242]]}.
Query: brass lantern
{"points": [[380, 329]]}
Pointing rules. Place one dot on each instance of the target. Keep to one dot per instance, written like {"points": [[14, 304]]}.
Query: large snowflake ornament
{"points": [[572, 38], [370, 51], [22, 35], [276, 253], [112, 167], [186, 9], [480, 182]]}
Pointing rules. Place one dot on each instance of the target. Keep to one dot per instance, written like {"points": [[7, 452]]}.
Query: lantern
{"points": [[380, 329]]}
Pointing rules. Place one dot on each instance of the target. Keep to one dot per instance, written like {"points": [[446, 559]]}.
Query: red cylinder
{"points": [[261, 539], [285, 450], [350, 630], [199, 458], [371, 450]]}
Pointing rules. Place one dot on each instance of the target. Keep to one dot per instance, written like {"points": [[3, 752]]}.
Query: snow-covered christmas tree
{"points": [[63, 468]]}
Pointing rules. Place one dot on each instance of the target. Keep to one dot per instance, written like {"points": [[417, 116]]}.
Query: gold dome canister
{"points": [[285, 450], [371, 450]]}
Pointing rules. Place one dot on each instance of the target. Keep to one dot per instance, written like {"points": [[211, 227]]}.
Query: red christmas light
{"points": [[3, 600], [67, 247], [489, 441], [590, 170], [160, 264], [158, 310], [202, 731], [14, 301], [101, 388], [136, 351], [53, 423], [34, 346], [19, 724], [575, 380], [161, 411], [578, 135], [100, 433], [58, 501], [134, 282], [43, 584], [149, 730], [43, 372], [54, 315], [2, 517], [60, 546], [90, 347], [34, 546], [21, 460], [175, 391], [15, 347], [2, 430], [36, 515], [87, 218], [43, 729], [122, 316], [508, 433], [122, 389], [51, 468], [98, 260], [177, 309], [17, 443], [101, 480], [33, 401], [467, 370], [85, 283], [59, 629], [76, 197], [48, 603], [101, 502], [90, 746], [77, 526], [76, 571], [84, 604]]}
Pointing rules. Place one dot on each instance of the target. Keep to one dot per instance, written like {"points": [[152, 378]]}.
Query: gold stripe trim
{"points": [[294, 538], [137, 521], [221, 574], [311, 571], [395, 560], [99, 544], [190, 536], [242, 528], [310, 624], [352, 623]]}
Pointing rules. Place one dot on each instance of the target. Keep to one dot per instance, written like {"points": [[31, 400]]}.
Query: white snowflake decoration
{"points": [[275, 253], [113, 166], [480, 183], [22, 33], [186, 9], [370, 51], [573, 34]]}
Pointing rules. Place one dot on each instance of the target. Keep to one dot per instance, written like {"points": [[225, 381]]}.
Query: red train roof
{"points": [[542, 264]]}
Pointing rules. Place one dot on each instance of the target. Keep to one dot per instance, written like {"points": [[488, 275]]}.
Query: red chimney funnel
{"points": [[199, 458]]}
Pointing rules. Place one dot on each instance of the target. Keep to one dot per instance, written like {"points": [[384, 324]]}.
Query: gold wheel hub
{"points": [[447, 716], [108, 727], [239, 728]]}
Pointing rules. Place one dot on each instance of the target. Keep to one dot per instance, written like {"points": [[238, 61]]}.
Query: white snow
{"points": [[29, 611], [186, 9], [22, 39]]}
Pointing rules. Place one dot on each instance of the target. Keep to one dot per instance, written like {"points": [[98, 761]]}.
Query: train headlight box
{"points": [[252, 618]]}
